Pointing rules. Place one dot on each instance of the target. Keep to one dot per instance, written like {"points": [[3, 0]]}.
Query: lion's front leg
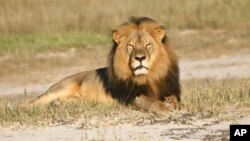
{"points": [[173, 102], [152, 105]]}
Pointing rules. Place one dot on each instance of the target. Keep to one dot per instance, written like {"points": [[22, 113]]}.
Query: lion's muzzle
{"points": [[141, 70]]}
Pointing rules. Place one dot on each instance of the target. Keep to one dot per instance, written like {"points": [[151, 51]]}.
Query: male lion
{"points": [[142, 71]]}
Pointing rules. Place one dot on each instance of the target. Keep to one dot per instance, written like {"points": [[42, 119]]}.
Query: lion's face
{"points": [[140, 54], [139, 49]]}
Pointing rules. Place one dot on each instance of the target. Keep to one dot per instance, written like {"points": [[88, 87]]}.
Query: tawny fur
{"points": [[153, 87]]}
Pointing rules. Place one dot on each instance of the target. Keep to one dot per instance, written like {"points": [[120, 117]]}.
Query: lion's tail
{"points": [[55, 93], [45, 98]]}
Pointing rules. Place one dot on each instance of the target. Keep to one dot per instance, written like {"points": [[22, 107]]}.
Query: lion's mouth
{"points": [[141, 70], [140, 67]]}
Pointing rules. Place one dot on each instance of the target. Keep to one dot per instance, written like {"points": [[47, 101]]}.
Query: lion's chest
{"points": [[127, 93]]}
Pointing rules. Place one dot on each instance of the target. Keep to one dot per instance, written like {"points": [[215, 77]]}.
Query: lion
{"points": [[142, 71]]}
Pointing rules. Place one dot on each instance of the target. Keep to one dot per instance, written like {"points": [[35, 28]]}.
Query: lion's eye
{"points": [[148, 45], [130, 46]]}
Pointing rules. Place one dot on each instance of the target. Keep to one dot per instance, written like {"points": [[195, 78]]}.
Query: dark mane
{"points": [[139, 20], [126, 91]]}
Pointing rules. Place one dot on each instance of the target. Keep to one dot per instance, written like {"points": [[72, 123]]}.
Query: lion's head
{"points": [[140, 53]]}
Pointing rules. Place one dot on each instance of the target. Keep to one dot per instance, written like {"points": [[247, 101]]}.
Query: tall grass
{"points": [[40, 25], [26, 16], [206, 98], [217, 97]]}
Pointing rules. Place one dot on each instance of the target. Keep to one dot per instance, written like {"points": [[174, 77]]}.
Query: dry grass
{"points": [[28, 26], [216, 97], [26, 16], [49, 114], [209, 98]]}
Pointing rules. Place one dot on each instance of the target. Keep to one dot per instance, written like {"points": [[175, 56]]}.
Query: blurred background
{"points": [[42, 41], [28, 26]]}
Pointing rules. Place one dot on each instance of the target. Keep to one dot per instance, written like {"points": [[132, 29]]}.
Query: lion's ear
{"points": [[159, 33], [117, 37]]}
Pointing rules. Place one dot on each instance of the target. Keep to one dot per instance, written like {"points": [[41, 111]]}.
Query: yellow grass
{"points": [[204, 98], [31, 26], [26, 16]]}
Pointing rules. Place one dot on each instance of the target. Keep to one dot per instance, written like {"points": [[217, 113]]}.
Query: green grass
{"points": [[33, 43], [205, 98], [206, 43]]}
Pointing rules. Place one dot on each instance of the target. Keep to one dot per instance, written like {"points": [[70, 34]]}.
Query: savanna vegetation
{"points": [[196, 28], [41, 25], [225, 99]]}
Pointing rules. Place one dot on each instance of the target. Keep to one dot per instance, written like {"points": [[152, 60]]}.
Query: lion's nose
{"points": [[140, 57]]}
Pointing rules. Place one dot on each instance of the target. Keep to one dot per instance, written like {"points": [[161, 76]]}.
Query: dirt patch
{"points": [[20, 74], [223, 67], [38, 79], [199, 130]]}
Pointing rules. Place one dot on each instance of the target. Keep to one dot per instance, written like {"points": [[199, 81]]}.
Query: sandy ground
{"points": [[209, 129], [197, 131], [206, 129], [222, 67]]}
